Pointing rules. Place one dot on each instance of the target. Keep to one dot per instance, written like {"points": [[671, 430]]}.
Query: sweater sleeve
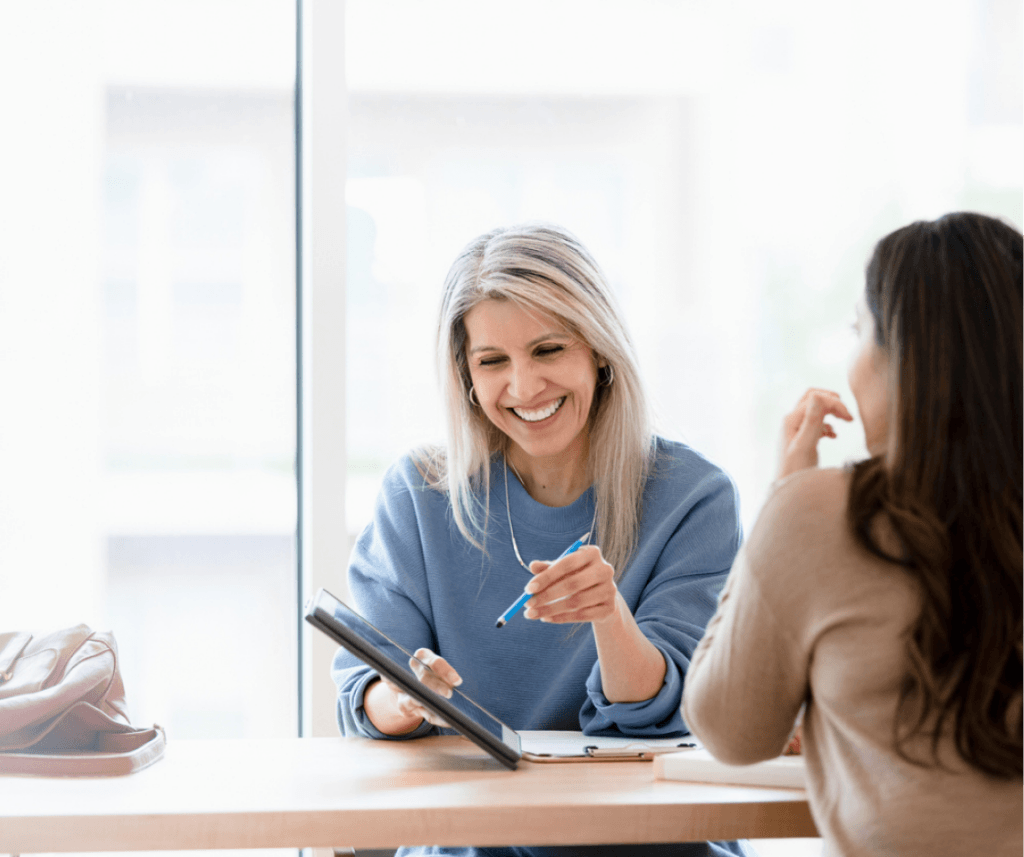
{"points": [[692, 542], [748, 678], [387, 582]]}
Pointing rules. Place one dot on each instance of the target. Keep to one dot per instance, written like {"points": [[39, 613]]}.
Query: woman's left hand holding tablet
{"points": [[579, 587], [395, 712]]}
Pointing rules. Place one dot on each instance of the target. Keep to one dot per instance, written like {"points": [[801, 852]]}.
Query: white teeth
{"points": [[543, 414]]}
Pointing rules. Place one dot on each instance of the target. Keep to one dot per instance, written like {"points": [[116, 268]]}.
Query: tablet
{"points": [[350, 630]]}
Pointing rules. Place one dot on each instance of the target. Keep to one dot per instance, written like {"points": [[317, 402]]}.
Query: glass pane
{"points": [[729, 166], [147, 365]]}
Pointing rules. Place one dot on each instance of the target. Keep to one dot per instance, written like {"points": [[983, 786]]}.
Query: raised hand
{"points": [[804, 426]]}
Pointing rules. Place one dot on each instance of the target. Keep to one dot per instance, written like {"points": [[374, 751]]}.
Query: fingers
{"points": [[408, 707], [810, 428], [823, 394], [590, 605], [813, 406], [429, 716], [577, 581], [576, 588], [821, 403], [805, 425], [547, 573], [411, 708], [435, 672]]}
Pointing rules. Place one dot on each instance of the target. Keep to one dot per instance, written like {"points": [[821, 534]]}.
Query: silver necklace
{"points": [[508, 511]]}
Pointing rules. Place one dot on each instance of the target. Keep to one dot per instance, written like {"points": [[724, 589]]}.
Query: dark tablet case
{"points": [[350, 630]]}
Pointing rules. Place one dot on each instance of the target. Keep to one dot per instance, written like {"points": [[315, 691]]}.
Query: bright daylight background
{"points": [[729, 164]]}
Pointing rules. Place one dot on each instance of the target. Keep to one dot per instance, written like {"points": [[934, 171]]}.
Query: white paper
{"points": [[553, 743]]}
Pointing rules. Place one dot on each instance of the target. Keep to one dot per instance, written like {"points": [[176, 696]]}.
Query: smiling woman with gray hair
{"points": [[549, 443]]}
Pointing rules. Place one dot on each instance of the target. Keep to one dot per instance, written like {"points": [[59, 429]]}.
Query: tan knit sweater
{"points": [[809, 616]]}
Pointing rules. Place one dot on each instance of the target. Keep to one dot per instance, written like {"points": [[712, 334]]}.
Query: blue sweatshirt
{"points": [[414, 576]]}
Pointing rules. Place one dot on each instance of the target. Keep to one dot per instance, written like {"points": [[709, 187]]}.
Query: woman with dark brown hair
{"points": [[886, 598]]}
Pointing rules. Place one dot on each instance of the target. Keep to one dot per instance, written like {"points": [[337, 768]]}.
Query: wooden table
{"points": [[327, 792]]}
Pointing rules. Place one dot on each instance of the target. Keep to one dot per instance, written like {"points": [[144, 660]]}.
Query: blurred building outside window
{"points": [[147, 349], [730, 166]]}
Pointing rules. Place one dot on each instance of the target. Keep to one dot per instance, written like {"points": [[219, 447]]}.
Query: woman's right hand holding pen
{"points": [[581, 584], [394, 712], [580, 587]]}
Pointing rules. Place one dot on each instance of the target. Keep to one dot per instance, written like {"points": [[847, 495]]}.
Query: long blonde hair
{"points": [[544, 269]]}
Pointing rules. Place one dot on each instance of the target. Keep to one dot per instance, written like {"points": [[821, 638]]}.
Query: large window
{"points": [[730, 165], [147, 348]]}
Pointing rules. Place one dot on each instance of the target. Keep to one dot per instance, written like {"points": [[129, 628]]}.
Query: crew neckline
{"points": [[574, 519]]}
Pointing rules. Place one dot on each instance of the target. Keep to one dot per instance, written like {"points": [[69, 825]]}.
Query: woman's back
{"points": [[888, 597], [847, 613]]}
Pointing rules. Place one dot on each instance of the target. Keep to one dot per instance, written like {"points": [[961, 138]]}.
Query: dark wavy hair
{"points": [[946, 300]]}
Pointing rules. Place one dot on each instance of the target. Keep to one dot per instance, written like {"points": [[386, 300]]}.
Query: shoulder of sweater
{"points": [[818, 492], [676, 465], [808, 563], [674, 452], [415, 472], [805, 514]]}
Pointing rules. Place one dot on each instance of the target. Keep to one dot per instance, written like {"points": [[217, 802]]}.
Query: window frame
{"points": [[323, 545]]}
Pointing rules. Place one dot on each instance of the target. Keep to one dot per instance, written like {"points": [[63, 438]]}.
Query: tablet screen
{"points": [[391, 660]]}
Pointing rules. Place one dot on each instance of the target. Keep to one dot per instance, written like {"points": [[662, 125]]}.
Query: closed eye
{"points": [[549, 350], [493, 360]]}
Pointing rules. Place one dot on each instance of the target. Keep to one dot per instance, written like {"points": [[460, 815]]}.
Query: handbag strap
{"points": [[11, 647], [116, 754]]}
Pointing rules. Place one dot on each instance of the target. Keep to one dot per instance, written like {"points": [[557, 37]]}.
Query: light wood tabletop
{"points": [[338, 792]]}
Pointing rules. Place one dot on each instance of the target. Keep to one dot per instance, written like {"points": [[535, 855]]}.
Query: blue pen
{"points": [[526, 596]]}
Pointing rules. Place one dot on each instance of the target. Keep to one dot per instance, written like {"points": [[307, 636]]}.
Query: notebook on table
{"points": [[699, 766], [351, 631]]}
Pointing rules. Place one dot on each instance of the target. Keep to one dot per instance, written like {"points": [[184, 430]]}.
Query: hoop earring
{"points": [[607, 376], [472, 397]]}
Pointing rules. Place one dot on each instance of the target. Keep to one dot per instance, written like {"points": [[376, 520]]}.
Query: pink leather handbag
{"points": [[62, 707]]}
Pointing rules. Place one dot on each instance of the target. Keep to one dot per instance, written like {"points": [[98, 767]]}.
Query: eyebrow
{"points": [[530, 344]]}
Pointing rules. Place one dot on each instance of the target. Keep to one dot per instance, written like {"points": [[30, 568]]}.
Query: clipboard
{"points": [[554, 746], [351, 631]]}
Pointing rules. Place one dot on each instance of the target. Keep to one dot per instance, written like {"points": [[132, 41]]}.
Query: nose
{"points": [[524, 381]]}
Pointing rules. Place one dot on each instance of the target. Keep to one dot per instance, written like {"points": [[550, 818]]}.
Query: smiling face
{"points": [[869, 383], [535, 382]]}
